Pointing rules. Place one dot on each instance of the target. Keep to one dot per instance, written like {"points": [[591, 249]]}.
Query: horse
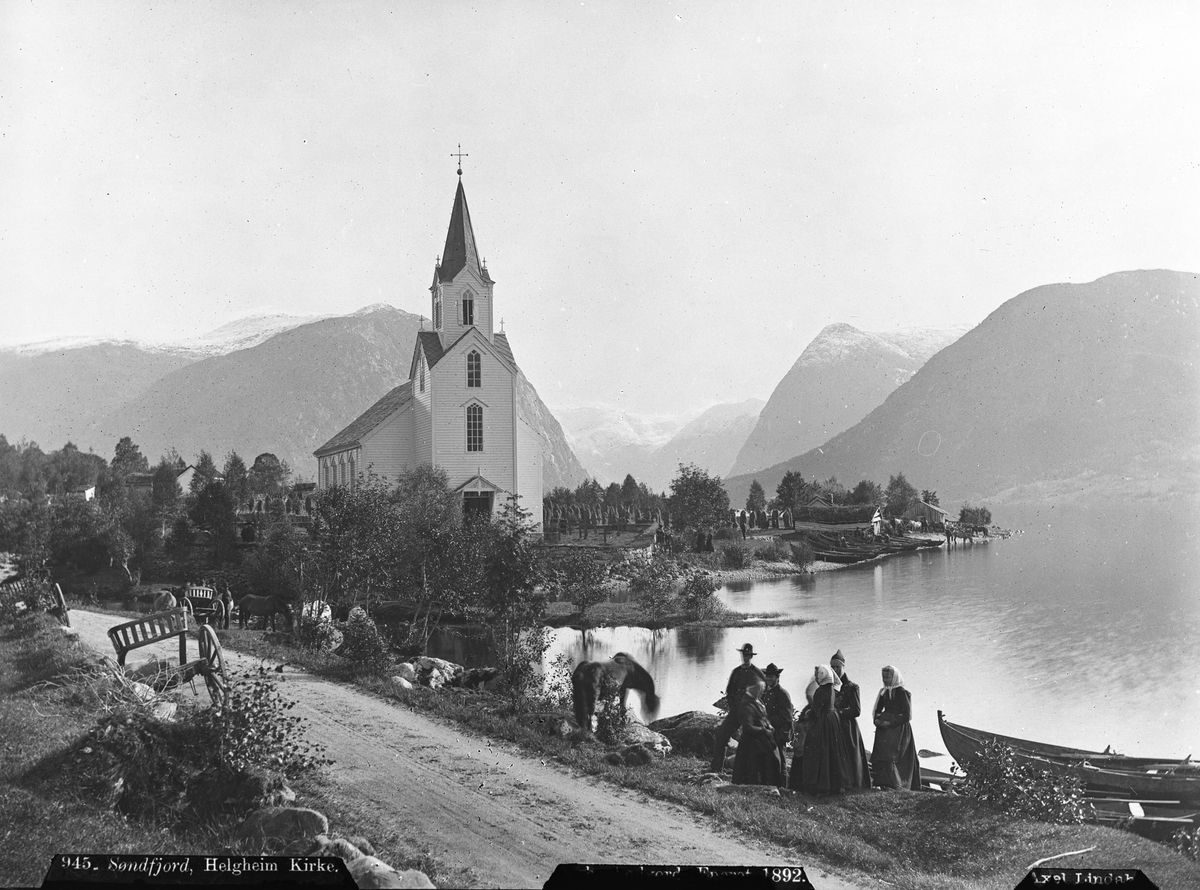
{"points": [[267, 606], [592, 680], [165, 601]]}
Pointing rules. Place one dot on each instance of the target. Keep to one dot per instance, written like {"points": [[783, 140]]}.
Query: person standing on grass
{"points": [[825, 770], [848, 704], [894, 755], [740, 677], [779, 711], [758, 761]]}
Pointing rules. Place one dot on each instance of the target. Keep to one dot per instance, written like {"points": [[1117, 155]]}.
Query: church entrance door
{"points": [[477, 505]]}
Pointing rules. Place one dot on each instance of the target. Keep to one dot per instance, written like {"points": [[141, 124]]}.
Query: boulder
{"points": [[692, 732], [477, 677], [275, 828], [643, 736], [407, 671], [427, 663], [402, 682]]}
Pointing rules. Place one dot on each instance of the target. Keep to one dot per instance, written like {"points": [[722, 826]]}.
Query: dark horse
{"points": [[592, 680], [266, 606]]}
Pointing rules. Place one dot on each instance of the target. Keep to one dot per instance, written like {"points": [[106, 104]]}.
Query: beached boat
{"points": [[1150, 778]]}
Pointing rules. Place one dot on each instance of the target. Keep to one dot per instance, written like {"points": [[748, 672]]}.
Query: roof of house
{"points": [[460, 242], [833, 515], [368, 420]]}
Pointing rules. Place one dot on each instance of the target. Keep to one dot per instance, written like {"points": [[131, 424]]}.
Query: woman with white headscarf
{"points": [[894, 755], [823, 768]]}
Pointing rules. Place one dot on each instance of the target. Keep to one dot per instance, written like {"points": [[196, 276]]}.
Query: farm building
{"points": [[930, 514]]}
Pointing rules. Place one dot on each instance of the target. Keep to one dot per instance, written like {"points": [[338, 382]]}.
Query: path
{"points": [[482, 804]]}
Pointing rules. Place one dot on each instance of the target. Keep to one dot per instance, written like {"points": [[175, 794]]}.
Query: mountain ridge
{"points": [[1095, 382]]}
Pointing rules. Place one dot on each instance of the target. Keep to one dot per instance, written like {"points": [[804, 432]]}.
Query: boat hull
{"points": [[1135, 777]]}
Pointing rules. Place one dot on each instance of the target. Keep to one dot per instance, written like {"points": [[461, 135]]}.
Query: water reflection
{"points": [[1085, 633]]}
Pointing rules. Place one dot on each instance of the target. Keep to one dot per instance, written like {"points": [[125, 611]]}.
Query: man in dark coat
{"points": [[742, 676], [779, 711], [848, 704]]}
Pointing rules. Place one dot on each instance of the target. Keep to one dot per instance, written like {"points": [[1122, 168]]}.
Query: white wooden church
{"points": [[459, 409]]}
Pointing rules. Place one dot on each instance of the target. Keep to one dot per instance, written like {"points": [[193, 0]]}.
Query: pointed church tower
{"points": [[462, 288]]}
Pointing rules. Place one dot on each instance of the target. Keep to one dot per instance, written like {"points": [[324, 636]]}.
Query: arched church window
{"points": [[422, 377], [474, 370], [468, 309], [437, 313], [474, 428]]}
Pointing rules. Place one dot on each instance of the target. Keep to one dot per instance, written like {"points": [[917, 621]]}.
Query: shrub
{"points": [[612, 719], [802, 553], [735, 555], [363, 645], [557, 689], [653, 587], [522, 679], [1020, 788], [776, 550], [316, 634], [1186, 842], [256, 730], [699, 597]]}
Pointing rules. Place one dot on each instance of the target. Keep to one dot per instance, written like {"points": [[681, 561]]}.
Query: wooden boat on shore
{"points": [[1139, 778]]}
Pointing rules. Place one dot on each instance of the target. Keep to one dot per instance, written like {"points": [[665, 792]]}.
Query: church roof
{"points": [[500, 341], [431, 342], [460, 247], [368, 420]]}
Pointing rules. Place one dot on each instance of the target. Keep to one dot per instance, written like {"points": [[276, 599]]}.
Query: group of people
{"points": [[828, 755]]}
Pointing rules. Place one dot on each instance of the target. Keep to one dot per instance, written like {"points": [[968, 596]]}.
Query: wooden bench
{"points": [[160, 626]]}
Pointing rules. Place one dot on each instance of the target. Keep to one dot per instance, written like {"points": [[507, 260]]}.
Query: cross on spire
{"points": [[460, 155]]}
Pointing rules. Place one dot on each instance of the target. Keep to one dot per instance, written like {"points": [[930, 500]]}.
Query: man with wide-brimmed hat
{"points": [[779, 711], [848, 704], [742, 676]]}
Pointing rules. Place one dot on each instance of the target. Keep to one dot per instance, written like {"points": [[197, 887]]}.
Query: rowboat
{"points": [[1150, 778]]}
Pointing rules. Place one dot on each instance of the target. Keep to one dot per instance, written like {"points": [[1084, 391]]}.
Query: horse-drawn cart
{"points": [[27, 594], [174, 623], [206, 605]]}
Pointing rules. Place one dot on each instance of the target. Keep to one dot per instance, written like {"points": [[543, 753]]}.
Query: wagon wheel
{"points": [[215, 676], [217, 614], [187, 606], [61, 604]]}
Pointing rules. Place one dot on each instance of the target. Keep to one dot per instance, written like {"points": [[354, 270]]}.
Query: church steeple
{"points": [[462, 287], [460, 252]]}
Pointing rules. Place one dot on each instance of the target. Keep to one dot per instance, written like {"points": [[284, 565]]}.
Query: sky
{"points": [[673, 198]]}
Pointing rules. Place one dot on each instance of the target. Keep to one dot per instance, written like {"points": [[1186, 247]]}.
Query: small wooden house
{"points": [[930, 514]]}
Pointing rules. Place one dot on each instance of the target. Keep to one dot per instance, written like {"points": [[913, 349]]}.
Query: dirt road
{"points": [[484, 805]]}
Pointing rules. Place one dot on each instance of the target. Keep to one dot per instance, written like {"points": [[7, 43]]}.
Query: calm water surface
{"points": [[1084, 631]]}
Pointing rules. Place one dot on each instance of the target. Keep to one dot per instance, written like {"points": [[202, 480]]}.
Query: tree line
{"points": [[138, 514]]}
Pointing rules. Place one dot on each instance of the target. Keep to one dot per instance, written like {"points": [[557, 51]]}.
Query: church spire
{"points": [[460, 251]]}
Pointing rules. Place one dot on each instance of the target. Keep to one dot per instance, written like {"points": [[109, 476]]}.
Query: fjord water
{"points": [[1083, 631]]}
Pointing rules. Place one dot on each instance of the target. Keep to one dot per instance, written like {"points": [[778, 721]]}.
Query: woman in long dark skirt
{"points": [[799, 734], [758, 760], [848, 703], [894, 755], [824, 769]]}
